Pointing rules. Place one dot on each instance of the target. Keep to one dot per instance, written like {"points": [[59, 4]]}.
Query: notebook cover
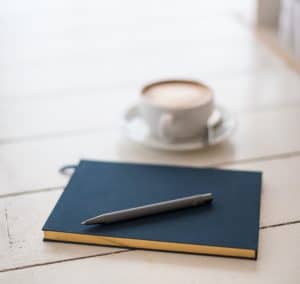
{"points": [[228, 226]]}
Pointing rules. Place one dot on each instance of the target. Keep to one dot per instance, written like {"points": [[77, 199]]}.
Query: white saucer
{"points": [[136, 129]]}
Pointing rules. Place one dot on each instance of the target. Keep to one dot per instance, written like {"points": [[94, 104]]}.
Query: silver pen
{"points": [[150, 209]]}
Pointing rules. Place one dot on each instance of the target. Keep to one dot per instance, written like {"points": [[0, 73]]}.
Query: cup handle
{"points": [[164, 124], [213, 122]]}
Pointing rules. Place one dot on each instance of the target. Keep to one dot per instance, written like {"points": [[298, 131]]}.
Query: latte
{"points": [[177, 94]]}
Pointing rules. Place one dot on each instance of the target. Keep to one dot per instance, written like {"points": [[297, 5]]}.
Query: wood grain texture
{"points": [[135, 67], [70, 46], [23, 216], [33, 165], [277, 263], [99, 108]]}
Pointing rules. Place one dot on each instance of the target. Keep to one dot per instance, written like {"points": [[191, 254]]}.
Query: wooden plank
{"points": [[33, 164], [277, 262], [58, 53], [61, 33], [23, 216], [128, 38], [179, 22], [261, 90], [21, 243], [73, 61], [96, 68], [98, 108]]}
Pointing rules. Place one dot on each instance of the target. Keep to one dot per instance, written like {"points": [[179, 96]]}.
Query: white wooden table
{"points": [[68, 69]]}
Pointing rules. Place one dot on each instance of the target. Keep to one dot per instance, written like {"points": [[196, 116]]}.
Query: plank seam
{"points": [[111, 127], [225, 163], [62, 260], [117, 252], [259, 159], [279, 224], [6, 195]]}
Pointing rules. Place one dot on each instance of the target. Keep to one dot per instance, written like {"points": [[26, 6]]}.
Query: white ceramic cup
{"points": [[184, 120]]}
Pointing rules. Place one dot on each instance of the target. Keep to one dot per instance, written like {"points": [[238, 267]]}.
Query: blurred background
{"points": [[69, 69], [54, 49], [74, 48]]}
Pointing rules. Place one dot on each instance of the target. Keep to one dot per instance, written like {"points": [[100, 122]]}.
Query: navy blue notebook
{"points": [[228, 226]]}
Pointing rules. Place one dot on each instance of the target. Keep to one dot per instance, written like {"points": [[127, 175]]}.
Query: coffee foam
{"points": [[177, 94]]}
